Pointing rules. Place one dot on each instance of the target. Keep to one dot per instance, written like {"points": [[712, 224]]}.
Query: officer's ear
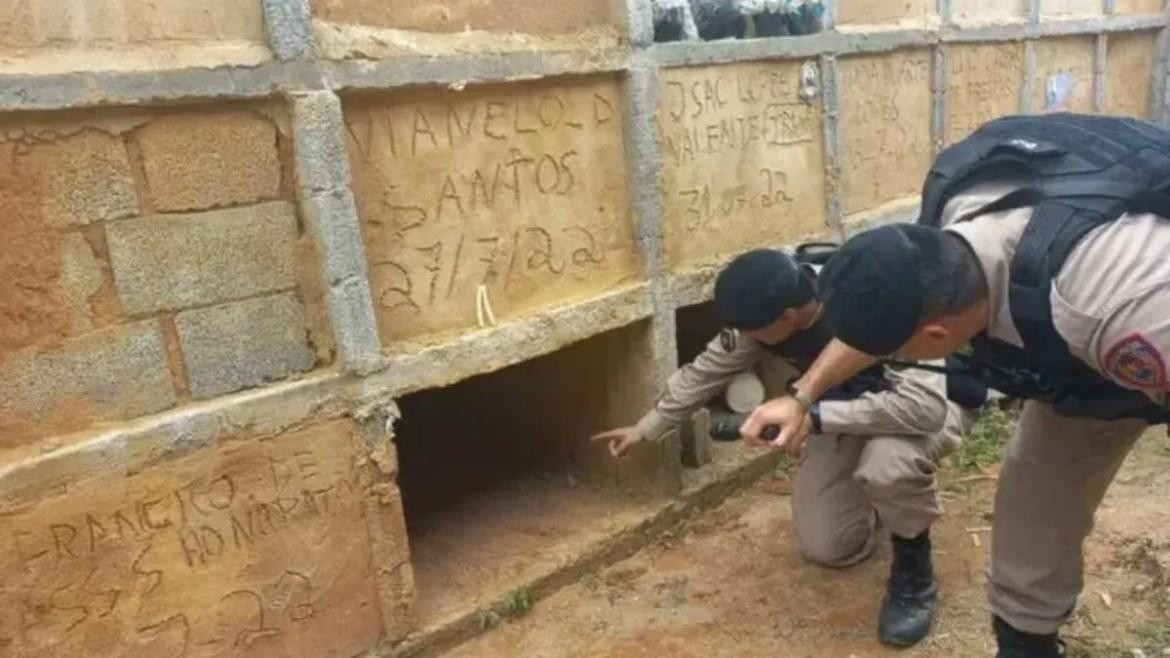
{"points": [[935, 331]]}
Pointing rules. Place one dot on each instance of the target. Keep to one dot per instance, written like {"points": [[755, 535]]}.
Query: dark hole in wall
{"points": [[461, 441], [695, 326]]}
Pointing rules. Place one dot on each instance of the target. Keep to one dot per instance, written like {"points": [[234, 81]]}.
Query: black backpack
{"points": [[1079, 172]]}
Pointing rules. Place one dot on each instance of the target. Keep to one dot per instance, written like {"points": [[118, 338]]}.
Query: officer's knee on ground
{"points": [[839, 546]]}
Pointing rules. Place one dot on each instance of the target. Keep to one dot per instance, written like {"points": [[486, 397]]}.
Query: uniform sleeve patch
{"points": [[1135, 361], [727, 340]]}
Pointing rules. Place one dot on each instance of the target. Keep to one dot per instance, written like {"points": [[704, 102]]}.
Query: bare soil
{"points": [[731, 583]]}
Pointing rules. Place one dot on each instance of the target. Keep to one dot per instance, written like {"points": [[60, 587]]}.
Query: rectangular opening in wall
{"points": [[500, 483], [695, 326]]}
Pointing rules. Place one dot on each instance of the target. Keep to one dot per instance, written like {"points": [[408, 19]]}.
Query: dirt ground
{"points": [[731, 583]]}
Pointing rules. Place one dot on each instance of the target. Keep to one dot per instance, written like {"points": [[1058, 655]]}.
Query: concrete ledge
{"points": [[721, 52], [487, 350], [1017, 32], [74, 90], [459, 70], [135, 446]]}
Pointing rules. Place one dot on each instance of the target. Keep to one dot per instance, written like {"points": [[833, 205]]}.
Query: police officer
{"points": [[882, 434], [1041, 243]]}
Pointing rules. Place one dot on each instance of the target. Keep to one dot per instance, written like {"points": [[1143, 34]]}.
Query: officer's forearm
{"points": [[835, 365]]}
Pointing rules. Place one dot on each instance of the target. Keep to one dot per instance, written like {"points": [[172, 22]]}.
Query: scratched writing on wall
{"points": [[510, 192], [202, 566]]}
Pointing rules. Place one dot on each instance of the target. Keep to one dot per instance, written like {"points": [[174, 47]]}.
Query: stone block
{"points": [[696, 439], [320, 151], [985, 12], [984, 82], [520, 189], [248, 547], [113, 373], [355, 326], [331, 218], [81, 279], [170, 262], [243, 344], [1129, 73], [908, 13], [885, 106], [81, 177], [205, 160], [1064, 75], [1064, 9], [289, 27], [743, 162]]}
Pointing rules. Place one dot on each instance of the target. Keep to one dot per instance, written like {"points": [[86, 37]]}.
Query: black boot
{"points": [[1018, 644], [908, 609]]}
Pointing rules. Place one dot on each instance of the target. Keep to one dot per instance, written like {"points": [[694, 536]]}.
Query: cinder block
{"points": [[355, 326], [243, 344], [83, 178], [206, 160], [696, 439], [81, 278], [171, 262], [290, 29], [332, 221], [117, 372], [317, 136]]}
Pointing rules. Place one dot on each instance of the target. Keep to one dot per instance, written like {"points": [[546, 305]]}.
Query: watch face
{"points": [[727, 338]]}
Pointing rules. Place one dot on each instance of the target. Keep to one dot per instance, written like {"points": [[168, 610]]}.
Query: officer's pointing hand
{"points": [[784, 412], [620, 440]]}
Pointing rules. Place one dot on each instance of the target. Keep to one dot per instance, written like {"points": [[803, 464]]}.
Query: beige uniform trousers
{"points": [[1054, 476], [843, 480]]}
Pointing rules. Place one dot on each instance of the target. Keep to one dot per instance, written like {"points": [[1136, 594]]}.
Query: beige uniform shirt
{"points": [[916, 403], [1110, 301]]}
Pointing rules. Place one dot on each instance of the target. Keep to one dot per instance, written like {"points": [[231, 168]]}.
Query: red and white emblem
{"points": [[1135, 361]]}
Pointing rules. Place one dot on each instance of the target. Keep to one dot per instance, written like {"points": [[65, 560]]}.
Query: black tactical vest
{"points": [[1081, 171], [803, 348]]}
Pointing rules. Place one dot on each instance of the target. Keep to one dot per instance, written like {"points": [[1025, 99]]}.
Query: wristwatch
{"points": [[807, 401], [814, 412]]}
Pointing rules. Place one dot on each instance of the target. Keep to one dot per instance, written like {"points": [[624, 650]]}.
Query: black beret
{"points": [[872, 291], [758, 286]]}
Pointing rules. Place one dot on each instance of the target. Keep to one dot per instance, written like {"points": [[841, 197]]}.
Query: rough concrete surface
{"points": [[243, 344], [203, 160], [1064, 75], [900, 12], [255, 547], [520, 191], [170, 262], [1129, 57], [983, 82], [884, 126], [460, 15], [289, 26], [112, 374], [1139, 6], [742, 160], [1059, 9], [982, 12]]}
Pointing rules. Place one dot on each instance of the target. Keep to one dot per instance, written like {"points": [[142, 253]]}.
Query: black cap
{"points": [[758, 286], [872, 291]]}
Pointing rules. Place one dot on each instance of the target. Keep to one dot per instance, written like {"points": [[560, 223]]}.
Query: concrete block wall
{"points": [[234, 235]]}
